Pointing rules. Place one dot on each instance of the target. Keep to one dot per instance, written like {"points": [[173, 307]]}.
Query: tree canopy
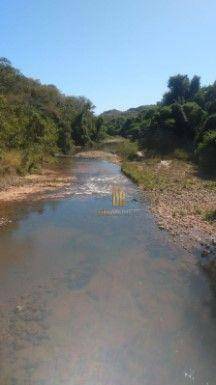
{"points": [[185, 118], [37, 118]]}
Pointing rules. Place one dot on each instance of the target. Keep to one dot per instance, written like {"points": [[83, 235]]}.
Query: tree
{"points": [[38, 119], [4, 62], [206, 152], [84, 127], [181, 89], [99, 129], [194, 86]]}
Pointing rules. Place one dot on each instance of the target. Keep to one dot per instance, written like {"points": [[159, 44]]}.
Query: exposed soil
{"points": [[22, 187], [179, 198], [50, 179], [176, 212]]}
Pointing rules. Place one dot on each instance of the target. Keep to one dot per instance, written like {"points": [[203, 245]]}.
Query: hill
{"points": [[131, 112]]}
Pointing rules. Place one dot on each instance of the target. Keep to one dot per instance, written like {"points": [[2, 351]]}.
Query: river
{"points": [[96, 294]]}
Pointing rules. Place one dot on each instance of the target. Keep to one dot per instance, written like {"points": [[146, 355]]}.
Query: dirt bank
{"points": [[50, 179], [180, 201], [16, 188], [98, 154]]}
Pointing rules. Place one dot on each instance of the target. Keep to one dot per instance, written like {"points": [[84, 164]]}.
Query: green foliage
{"points": [[147, 177], [182, 125], [206, 98], [195, 116], [127, 149], [210, 216], [100, 130], [194, 86], [206, 152], [39, 120], [181, 89], [209, 124], [181, 154]]}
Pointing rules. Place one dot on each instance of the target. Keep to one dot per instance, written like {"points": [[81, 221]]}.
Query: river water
{"points": [[96, 294]]}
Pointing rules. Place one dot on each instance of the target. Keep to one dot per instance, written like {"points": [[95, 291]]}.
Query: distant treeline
{"points": [[184, 122], [38, 121]]}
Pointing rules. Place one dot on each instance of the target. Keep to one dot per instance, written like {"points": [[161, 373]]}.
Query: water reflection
{"points": [[89, 299]]}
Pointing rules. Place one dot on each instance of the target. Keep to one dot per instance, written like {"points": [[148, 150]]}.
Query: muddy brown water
{"points": [[91, 299]]}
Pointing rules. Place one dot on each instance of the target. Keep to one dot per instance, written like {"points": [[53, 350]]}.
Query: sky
{"points": [[118, 53]]}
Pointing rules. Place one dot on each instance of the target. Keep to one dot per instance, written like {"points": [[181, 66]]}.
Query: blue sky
{"points": [[118, 53]]}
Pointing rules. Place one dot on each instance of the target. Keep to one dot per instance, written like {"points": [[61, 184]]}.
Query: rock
{"points": [[140, 154], [205, 253], [19, 308], [164, 164]]}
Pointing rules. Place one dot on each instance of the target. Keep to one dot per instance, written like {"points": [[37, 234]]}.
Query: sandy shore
{"points": [[14, 188], [98, 154], [19, 188]]}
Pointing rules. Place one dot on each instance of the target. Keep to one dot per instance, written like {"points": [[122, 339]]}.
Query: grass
{"points": [[177, 175], [181, 154], [127, 150], [144, 176], [10, 161], [12, 158], [181, 200]]}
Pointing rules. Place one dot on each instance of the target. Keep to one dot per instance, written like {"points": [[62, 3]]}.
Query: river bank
{"points": [[49, 178], [180, 199], [81, 291], [16, 188], [182, 202], [98, 154]]}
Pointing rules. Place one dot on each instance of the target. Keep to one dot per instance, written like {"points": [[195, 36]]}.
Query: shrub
{"points": [[181, 154], [210, 124], [127, 149], [206, 152], [210, 216], [12, 158]]}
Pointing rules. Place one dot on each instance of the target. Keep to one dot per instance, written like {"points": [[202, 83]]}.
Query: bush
{"points": [[210, 124], [127, 150], [12, 158], [206, 152], [32, 158], [210, 216], [10, 161], [181, 154]]}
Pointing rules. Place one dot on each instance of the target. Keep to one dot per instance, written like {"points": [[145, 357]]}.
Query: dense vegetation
{"points": [[184, 122], [38, 121]]}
